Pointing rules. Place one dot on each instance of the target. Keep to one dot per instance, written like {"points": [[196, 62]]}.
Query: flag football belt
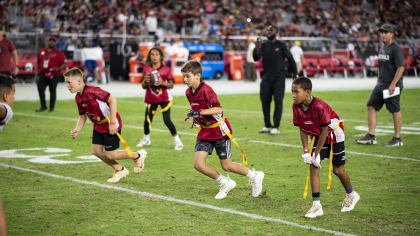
{"points": [[156, 112], [217, 124], [305, 192], [127, 148]]}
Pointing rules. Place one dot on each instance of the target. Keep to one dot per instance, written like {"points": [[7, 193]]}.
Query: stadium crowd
{"points": [[219, 17]]}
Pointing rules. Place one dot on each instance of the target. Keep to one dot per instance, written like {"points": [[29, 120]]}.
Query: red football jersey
{"points": [[48, 61], [317, 115], [93, 102], [203, 98], [158, 94], [6, 49]]}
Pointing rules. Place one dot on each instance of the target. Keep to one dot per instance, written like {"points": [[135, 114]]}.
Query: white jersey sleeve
{"points": [[9, 115]]}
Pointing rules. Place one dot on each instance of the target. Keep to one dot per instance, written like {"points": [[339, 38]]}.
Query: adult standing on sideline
{"points": [[297, 54], [273, 53], [391, 69], [250, 73], [7, 49], [50, 63]]}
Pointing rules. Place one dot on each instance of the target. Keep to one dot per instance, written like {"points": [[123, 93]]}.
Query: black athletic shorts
{"points": [[339, 155], [376, 99], [111, 142], [222, 147]]}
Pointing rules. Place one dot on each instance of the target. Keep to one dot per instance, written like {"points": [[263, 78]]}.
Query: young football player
{"points": [[315, 118], [214, 132], [7, 97], [101, 108], [157, 80]]}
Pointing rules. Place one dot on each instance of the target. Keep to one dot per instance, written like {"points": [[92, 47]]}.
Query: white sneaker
{"points": [[350, 201], [139, 162], [274, 131], [316, 210], [226, 185], [256, 183], [264, 130], [178, 144], [144, 142], [116, 176]]}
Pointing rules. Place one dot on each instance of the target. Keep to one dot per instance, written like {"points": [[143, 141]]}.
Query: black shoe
{"points": [[395, 142], [367, 139], [41, 109], [51, 110]]}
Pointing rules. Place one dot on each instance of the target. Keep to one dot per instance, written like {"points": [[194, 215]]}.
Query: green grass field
{"points": [[40, 204]]}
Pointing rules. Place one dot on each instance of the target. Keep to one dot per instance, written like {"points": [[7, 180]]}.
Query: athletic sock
{"points": [[176, 137], [371, 135], [251, 174], [220, 178], [349, 189], [147, 136], [316, 197]]}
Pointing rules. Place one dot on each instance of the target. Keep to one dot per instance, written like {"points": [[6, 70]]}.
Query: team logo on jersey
{"points": [[308, 122], [84, 105], [195, 104], [383, 57], [43, 53]]}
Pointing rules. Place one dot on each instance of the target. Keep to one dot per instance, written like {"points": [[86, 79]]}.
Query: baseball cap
{"points": [[52, 38], [386, 28]]}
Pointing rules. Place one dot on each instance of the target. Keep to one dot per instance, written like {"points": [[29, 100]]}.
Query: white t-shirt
{"points": [[151, 23], [249, 56], [9, 115], [296, 52]]}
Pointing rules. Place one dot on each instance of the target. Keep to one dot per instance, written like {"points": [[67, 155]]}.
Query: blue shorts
{"points": [[222, 147]]}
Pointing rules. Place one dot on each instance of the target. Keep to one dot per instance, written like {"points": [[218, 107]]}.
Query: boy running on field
{"points": [[101, 108], [315, 118], [208, 114], [7, 97]]}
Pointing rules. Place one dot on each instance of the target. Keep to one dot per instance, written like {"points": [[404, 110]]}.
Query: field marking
{"points": [[247, 111], [243, 138], [186, 202]]}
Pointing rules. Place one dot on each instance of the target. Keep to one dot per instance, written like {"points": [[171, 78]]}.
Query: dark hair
{"points": [[304, 83], [192, 66], [149, 54], [75, 71], [6, 83]]}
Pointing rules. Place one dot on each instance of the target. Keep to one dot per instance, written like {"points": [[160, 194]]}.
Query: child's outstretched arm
{"points": [[113, 116], [80, 123]]}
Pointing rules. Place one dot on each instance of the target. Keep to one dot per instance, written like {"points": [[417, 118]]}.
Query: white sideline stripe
{"points": [[244, 139], [246, 111], [186, 202]]}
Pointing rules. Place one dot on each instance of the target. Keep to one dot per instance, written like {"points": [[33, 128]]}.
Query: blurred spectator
{"points": [[250, 73], [297, 54], [7, 49], [151, 23]]}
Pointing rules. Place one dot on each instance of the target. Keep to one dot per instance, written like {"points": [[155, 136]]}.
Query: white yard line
{"points": [[242, 111], [243, 138], [186, 202]]}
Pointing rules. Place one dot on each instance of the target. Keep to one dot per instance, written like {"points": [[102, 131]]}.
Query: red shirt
{"points": [[93, 101], [204, 98], [157, 94], [317, 115], [6, 49], [48, 60]]}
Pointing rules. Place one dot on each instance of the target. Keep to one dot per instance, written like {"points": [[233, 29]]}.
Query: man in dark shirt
{"points": [[391, 68], [273, 53]]}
